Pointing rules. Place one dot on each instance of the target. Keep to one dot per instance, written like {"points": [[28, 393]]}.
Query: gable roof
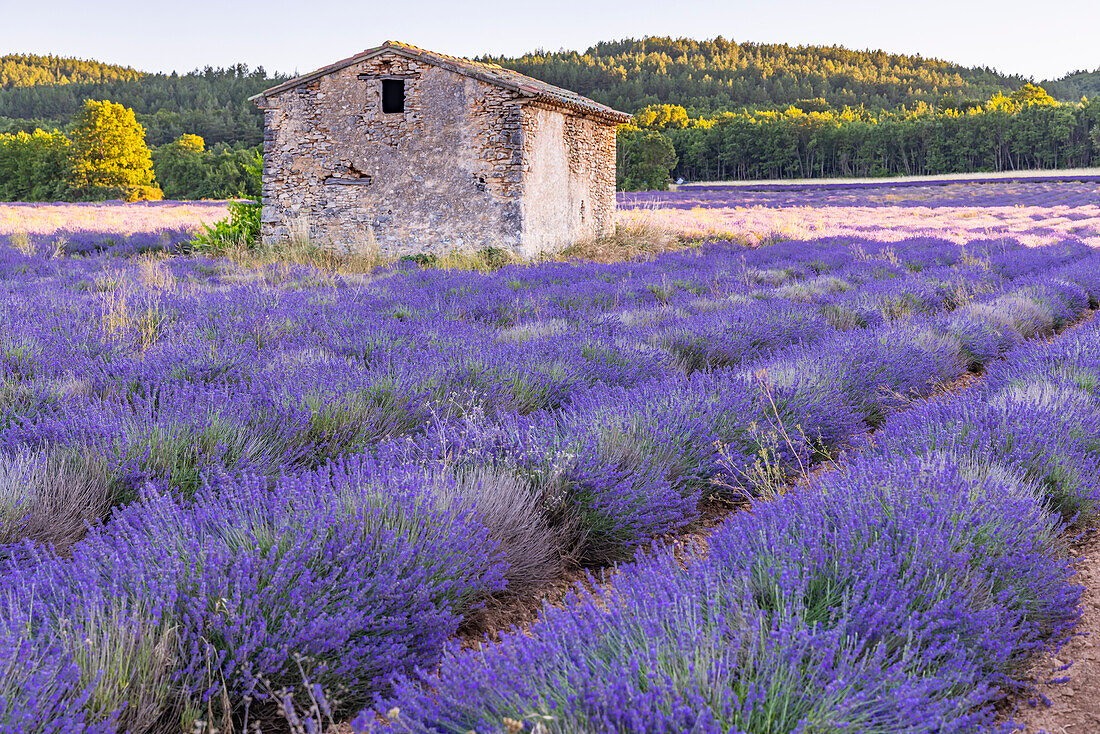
{"points": [[492, 73]]}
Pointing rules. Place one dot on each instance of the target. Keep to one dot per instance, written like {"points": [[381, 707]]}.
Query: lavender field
{"points": [[1033, 211], [105, 227], [283, 495]]}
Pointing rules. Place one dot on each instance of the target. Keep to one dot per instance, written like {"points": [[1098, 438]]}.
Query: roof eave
{"points": [[601, 112], [595, 109], [371, 53], [318, 73]]}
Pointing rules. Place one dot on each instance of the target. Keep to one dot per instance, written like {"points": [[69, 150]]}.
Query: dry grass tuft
{"points": [[640, 236], [135, 320], [22, 241], [305, 252], [154, 273], [643, 235], [50, 497]]}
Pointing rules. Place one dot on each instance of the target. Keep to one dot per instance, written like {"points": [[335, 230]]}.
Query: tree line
{"points": [[704, 77], [1075, 85], [721, 75], [747, 111], [212, 103], [103, 154], [1027, 129]]}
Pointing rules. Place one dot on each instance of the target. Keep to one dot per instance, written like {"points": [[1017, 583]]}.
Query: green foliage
{"points": [[212, 103], [644, 159], [704, 77], [716, 75], [240, 229], [254, 169], [109, 154], [485, 260], [8, 126], [1025, 130], [33, 166], [495, 257], [179, 166], [187, 170], [424, 259], [1076, 85]]}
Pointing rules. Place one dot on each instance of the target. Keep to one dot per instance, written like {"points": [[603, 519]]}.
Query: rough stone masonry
{"points": [[417, 152]]}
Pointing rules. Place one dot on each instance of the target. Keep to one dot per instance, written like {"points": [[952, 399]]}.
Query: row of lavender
{"points": [[902, 591], [197, 373], [92, 360], [328, 476], [1028, 192], [59, 242]]}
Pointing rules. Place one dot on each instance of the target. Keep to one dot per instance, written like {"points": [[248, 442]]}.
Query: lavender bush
{"points": [[895, 593]]}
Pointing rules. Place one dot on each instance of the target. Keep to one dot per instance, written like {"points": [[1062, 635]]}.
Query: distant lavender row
{"points": [[76, 220], [900, 592], [136, 363], [88, 241], [1023, 192], [896, 184], [132, 206]]}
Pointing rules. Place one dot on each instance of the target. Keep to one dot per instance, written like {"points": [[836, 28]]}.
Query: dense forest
{"points": [[1076, 85], [103, 155], [704, 110], [211, 103], [704, 77], [721, 75], [1025, 130]]}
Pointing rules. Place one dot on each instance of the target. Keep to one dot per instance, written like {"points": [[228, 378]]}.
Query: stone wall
{"points": [[447, 173], [468, 164], [570, 168]]}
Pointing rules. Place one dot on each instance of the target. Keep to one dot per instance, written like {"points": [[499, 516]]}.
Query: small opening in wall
{"points": [[393, 95], [350, 175], [582, 210], [479, 182], [348, 180]]}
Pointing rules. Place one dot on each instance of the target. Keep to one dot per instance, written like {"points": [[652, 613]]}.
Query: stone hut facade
{"points": [[419, 152]]}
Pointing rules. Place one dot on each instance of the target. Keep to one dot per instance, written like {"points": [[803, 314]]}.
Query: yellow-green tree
{"points": [[109, 155], [1032, 94]]}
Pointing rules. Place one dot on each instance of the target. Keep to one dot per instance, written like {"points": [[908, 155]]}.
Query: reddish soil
{"points": [[1067, 699], [502, 615]]}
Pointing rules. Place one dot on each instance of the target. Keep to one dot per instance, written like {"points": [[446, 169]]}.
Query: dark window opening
{"points": [[479, 182], [348, 180], [393, 95], [351, 175]]}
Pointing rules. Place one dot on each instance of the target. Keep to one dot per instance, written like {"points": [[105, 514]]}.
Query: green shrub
{"points": [[240, 229]]}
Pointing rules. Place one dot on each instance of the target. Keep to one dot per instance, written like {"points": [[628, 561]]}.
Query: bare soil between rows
{"points": [[1066, 694]]}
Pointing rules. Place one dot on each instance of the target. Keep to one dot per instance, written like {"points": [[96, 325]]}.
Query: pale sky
{"points": [[1035, 39]]}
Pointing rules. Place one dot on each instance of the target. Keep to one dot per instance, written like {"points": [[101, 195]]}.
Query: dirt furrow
{"points": [[1066, 697]]}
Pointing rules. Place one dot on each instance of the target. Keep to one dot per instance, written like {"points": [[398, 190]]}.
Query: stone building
{"points": [[421, 152]]}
